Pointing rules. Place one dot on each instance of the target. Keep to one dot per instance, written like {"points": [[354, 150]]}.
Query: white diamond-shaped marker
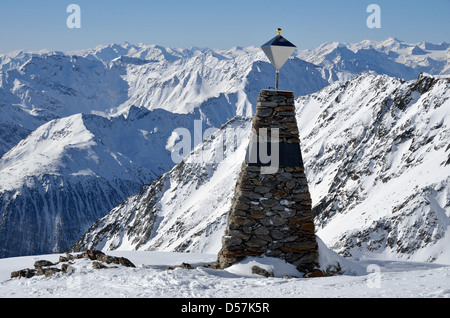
{"points": [[278, 50]]}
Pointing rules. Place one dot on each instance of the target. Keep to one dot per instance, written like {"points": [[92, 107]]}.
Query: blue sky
{"points": [[41, 24]]}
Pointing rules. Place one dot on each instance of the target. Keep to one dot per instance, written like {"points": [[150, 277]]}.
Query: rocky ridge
{"points": [[46, 268]]}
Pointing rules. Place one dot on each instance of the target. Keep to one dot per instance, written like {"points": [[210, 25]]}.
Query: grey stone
{"points": [[239, 234], [186, 266], [42, 263], [278, 221], [242, 206], [264, 112], [291, 184], [51, 271], [98, 265], [287, 213], [256, 242], [276, 234], [273, 253], [287, 114], [251, 195], [266, 104], [231, 241], [241, 221], [262, 189], [67, 269], [261, 230], [243, 200], [24, 273], [269, 202], [261, 271], [125, 262], [286, 176], [94, 254]]}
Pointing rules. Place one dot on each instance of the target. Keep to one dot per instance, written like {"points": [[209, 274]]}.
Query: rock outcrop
{"points": [[47, 268]]}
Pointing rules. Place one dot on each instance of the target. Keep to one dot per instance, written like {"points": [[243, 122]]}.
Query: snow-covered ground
{"points": [[150, 279]]}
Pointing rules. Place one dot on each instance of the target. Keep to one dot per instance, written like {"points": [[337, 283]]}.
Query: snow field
{"points": [[150, 279]]}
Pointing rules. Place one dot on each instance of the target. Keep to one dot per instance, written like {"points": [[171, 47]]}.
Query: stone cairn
{"points": [[271, 208]]}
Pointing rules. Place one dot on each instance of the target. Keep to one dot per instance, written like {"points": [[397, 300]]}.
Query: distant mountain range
{"points": [[82, 132]]}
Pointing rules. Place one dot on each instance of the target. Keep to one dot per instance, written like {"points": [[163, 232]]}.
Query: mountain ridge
{"points": [[145, 92]]}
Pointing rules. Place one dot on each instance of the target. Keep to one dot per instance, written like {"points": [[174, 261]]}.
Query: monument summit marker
{"points": [[271, 213]]}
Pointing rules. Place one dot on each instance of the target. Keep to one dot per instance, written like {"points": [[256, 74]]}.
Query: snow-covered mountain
{"points": [[36, 88], [50, 86], [378, 163], [392, 57], [185, 209], [381, 181], [43, 94], [71, 171]]}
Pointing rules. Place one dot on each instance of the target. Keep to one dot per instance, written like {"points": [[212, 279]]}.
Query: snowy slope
{"points": [[150, 279], [377, 160], [381, 181], [58, 181], [184, 210], [70, 172], [43, 87]]}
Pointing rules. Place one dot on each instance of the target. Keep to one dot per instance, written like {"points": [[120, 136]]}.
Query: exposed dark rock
{"points": [[42, 267], [67, 268], [315, 273], [24, 273], [42, 263], [51, 271], [98, 265], [184, 266], [125, 262], [261, 271], [289, 277], [424, 83], [94, 254], [63, 259]]}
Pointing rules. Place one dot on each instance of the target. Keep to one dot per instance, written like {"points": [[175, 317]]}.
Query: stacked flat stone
{"points": [[271, 213]]}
